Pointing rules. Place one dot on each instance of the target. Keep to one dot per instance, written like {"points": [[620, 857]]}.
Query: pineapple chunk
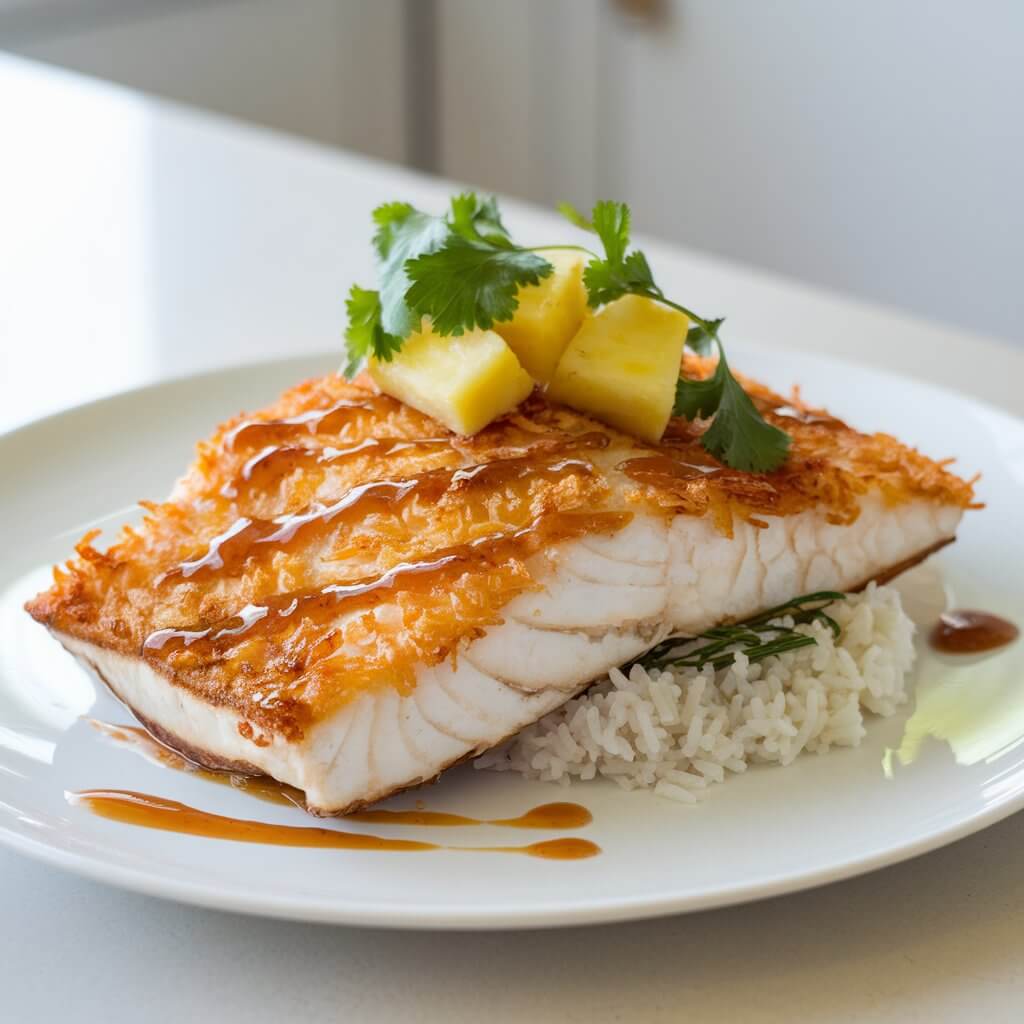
{"points": [[623, 365], [549, 314], [464, 382]]}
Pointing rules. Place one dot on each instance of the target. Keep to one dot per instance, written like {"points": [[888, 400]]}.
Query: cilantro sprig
{"points": [[464, 271]]}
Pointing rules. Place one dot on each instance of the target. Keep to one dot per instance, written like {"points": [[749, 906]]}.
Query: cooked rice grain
{"points": [[677, 732]]}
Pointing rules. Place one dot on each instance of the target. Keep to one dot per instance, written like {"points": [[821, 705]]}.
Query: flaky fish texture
{"points": [[345, 596]]}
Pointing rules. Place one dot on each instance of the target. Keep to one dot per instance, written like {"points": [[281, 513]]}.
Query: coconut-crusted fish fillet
{"points": [[345, 596]]}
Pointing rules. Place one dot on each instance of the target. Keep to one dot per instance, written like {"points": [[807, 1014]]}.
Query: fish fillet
{"points": [[344, 596]]}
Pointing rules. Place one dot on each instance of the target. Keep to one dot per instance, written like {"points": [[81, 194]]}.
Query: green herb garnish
{"points": [[464, 271], [738, 435], [758, 637]]}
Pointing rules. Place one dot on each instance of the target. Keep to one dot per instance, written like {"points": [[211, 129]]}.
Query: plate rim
{"points": [[458, 917]]}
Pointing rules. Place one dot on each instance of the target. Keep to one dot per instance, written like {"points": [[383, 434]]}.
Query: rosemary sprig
{"points": [[758, 637]]}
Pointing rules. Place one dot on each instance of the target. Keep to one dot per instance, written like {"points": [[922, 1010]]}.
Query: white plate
{"points": [[916, 783]]}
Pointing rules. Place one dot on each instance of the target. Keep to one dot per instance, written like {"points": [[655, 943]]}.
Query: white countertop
{"points": [[140, 241]]}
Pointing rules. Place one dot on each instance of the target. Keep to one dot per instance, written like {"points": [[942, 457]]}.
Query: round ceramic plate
{"points": [[919, 780]]}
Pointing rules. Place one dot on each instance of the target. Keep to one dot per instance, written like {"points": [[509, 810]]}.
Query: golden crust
{"points": [[331, 493], [830, 467]]}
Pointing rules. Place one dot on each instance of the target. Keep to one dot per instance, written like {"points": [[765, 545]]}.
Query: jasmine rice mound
{"points": [[678, 732]]}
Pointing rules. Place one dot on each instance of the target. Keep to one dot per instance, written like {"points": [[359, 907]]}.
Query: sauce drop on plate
{"points": [[556, 815], [964, 631], [147, 811], [156, 812]]}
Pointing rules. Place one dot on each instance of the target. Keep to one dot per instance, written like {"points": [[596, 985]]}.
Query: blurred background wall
{"points": [[875, 147]]}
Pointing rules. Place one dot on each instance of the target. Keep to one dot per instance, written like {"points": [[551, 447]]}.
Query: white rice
{"points": [[677, 732]]}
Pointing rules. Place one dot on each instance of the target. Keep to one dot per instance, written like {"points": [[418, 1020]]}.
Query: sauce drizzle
{"points": [[555, 815], [965, 631], [662, 470], [147, 811], [274, 461], [277, 609], [313, 421], [247, 537]]}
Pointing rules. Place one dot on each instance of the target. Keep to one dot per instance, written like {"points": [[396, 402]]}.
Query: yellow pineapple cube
{"points": [[549, 314], [623, 364], [464, 382]]}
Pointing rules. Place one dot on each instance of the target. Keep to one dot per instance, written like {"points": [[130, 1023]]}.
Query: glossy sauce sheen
{"points": [[964, 631], [485, 480], [556, 815], [420, 576], [147, 811], [662, 470], [315, 421], [274, 461], [248, 538], [810, 416]]}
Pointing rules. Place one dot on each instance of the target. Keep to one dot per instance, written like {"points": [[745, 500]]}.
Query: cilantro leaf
{"points": [[403, 233], [703, 334], [698, 398], [606, 281], [611, 224], [602, 283], [364, 335], [388, 217], [573, 216], [469, 284], [619, 273], [477, 220], [636, 272], [738, 435]]}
